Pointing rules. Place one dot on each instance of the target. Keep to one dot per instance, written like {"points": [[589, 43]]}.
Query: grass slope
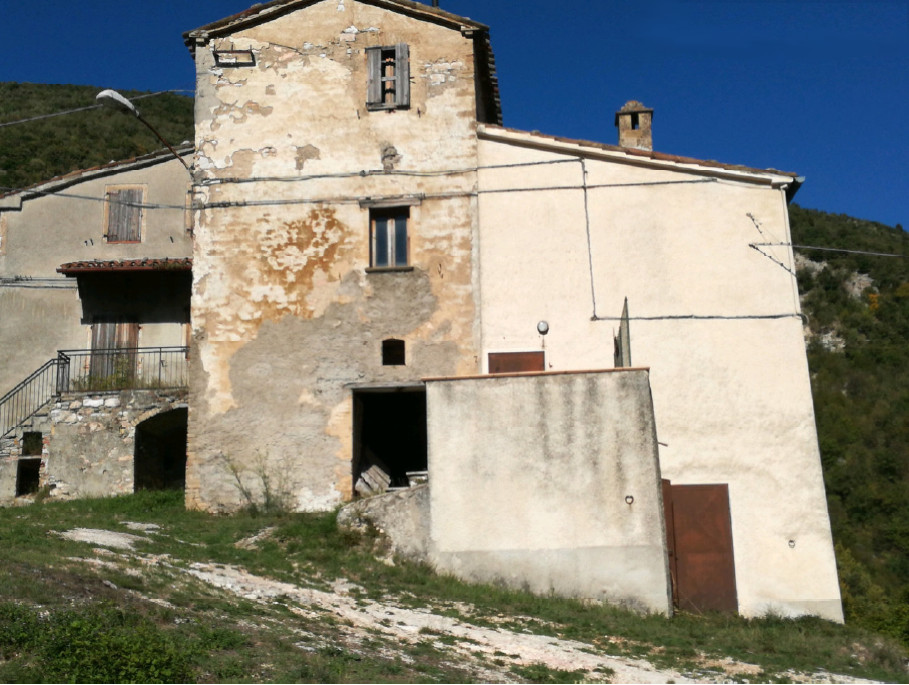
{"points": [[69, 612]]}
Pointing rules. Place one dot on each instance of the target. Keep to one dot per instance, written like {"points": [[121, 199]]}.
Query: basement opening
{"points": [[389, 437], [28, 476], [159, 460]]}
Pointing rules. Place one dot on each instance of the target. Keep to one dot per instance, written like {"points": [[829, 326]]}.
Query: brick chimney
{"points": [[635, 122]]}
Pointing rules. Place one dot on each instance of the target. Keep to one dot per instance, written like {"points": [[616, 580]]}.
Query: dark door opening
{"points": [[160, 452], [699, 542], [389, 433]]}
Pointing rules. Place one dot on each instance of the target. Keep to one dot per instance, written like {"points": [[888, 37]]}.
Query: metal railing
{"points": [[29, 396], [93, 371], [121, 369]]}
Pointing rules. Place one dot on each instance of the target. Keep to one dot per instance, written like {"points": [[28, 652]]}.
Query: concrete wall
{"points": [[89, 442], [40, 310], [286, 318], [731, 390], [530, 479]]}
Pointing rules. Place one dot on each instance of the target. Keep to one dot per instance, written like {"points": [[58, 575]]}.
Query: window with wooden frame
{"points": [[123, 215], [388, 237], [388, 77]]}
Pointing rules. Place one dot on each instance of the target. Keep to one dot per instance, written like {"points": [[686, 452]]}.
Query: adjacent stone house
{"points": [[94, 299], [594, 350]]}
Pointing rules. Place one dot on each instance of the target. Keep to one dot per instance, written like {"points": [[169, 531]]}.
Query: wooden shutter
{"points": [[124, 216], [402, 75], [374, 76]]}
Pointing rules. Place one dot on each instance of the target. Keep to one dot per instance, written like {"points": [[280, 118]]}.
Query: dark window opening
{"points": [[32, 444], [388, 237], [159, 460], [635, 121], [389, 438], [28, 476], [388, 84], [392, 352]]}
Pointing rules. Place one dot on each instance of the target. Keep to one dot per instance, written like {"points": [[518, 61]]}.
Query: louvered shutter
{"points": [[132, 214], [402, 75], [374, 76]]}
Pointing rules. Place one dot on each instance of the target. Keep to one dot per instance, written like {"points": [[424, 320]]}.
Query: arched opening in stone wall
{"points": [[160, 453]]}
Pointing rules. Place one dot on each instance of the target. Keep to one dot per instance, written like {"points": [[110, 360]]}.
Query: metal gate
{"points": [[699, 540]]}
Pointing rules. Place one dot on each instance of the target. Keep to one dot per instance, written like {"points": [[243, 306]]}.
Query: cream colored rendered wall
{"points": [[286, 319], [731, 395], [38, 318], [549, 482]]}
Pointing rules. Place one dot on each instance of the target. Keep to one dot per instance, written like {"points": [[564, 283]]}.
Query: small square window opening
{"points": [[388, 237], [32, 444], [392, 352]]}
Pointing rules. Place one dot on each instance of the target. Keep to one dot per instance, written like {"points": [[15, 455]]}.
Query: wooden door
{"points": [[699, 542]]}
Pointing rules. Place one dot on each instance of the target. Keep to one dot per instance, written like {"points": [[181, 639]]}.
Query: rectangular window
{"points": [[123, 214], [388, 77], [388, 237]]}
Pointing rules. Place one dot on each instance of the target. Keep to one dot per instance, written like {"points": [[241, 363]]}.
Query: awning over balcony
{"points": [[121, 265]]}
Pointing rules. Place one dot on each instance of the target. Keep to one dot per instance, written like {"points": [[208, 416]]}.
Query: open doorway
{"points": [[389, 438], [160, 453]]}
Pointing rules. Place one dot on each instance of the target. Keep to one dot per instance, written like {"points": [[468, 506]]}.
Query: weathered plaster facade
{"points": [[716, 321], [286, 312], [570, 502], [516, 243]]}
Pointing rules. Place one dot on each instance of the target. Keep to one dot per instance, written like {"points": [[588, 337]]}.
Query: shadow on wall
{"points": [[160, 452]]}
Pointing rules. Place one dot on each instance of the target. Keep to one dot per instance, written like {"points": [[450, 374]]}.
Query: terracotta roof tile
{"points": [[142, 264]]}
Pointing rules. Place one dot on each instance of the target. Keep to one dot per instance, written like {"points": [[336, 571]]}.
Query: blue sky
{"points": [[816, 87]]}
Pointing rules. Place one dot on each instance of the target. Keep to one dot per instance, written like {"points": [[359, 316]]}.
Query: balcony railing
{"points": [[121, 369], [134, 368]]}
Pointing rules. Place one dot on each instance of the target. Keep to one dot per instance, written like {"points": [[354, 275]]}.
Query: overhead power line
{"points": [[828, 249], [84, 109]]}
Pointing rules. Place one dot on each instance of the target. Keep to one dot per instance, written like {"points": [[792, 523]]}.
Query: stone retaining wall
{"points": [[88, 442]]}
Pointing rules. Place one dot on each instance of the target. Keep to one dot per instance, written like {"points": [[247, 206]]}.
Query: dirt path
{"points": [[487, 652]]}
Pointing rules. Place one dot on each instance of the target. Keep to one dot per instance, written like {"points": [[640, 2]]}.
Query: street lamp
{"points": [[113, 99]]}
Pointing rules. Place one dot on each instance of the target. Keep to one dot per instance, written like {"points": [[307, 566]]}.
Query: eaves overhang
{"points": [[789, 181], [96, 266], [268, 11], [13, 199]]}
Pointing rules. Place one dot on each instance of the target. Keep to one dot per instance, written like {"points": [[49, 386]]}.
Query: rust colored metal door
{"points": [[513, 362], [699, 540]]}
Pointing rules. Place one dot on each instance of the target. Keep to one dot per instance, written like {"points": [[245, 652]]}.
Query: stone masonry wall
{"points": [[88, 442]]}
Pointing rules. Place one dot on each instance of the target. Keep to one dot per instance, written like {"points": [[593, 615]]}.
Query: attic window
{"points": [[388, 77], [635, 121], [235, 58], [392, 352]]}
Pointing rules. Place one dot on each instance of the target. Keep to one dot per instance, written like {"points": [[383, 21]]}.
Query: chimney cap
{"points": [[633, 107]]}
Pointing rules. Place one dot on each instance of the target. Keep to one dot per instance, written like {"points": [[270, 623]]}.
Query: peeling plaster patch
{"points": [[390, 156], [306, 152], [270, 89], [340, 5], [269, 151]]}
